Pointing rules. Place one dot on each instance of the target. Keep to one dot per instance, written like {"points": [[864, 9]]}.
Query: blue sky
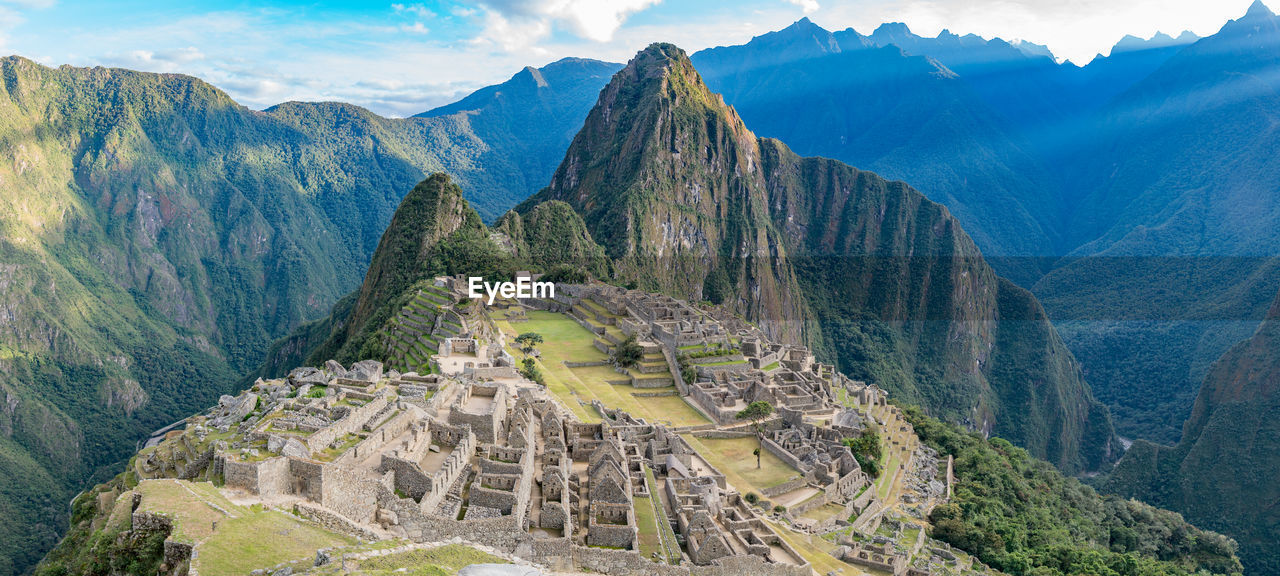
{"points": [[403, 57]]}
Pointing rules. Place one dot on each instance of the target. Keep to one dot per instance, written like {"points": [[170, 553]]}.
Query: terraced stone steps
{"points": [[415, 333]]}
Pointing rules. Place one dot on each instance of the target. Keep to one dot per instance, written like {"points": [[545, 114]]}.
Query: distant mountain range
{"points": [[1133, 195]]}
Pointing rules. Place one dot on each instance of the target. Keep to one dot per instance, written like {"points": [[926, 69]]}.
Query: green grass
{"points": [[599, 309], [246, 538], [733, 457], [442, 561], [889, 464], [567, 341], [824, 512], [650, 540], [328, 454], [669, 547]]}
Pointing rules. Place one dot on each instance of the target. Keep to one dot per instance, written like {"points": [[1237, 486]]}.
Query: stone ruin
{"points": [[498, 462]]}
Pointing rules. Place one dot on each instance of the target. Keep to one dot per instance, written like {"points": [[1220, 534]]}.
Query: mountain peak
{"points": [[1131, 43], [531, 74], [892, 30], [802, 23], [656, 59], [1258, 9]]}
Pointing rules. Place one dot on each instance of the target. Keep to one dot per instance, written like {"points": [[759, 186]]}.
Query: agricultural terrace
{"points": [[564, 340]]}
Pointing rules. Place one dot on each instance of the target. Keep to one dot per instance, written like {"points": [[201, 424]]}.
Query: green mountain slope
{"points": [[435, 232], [1222, 474], [157, 237], [1007, 510], [870, 273]]}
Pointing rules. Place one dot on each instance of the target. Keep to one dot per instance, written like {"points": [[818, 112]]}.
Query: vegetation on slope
{"points": [[1222, 475], [1022, 516], [436, 233], [100, 542]]}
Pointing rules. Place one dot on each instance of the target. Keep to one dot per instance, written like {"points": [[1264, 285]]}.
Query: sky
{"points": [[403, 57]]}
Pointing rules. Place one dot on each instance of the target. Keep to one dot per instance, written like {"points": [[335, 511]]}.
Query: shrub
{"points": [[628, 353]]}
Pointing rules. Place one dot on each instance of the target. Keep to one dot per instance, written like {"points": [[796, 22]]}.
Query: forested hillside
{"points": [[1021, 516], [1222, 474]]}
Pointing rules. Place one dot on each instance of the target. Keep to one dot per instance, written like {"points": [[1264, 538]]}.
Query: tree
{"points": [[528, 342], [628, 353], [867, 451], [756, 412], [531, 371]]}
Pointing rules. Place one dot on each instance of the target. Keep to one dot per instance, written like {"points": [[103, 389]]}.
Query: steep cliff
{"points": [[431, 213], [667, 178]]}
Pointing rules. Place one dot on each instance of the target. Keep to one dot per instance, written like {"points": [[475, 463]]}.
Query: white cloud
{"points": [[809, 6], [28, 4], [417, 10], [164, 61], [415, 28], [520, 24]]}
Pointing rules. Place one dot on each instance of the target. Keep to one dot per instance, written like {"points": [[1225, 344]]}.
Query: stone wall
{"points": [[788, 486], [725, 434], [333, 522], [409, 479], [615, 536], [352, 423], [783, 454], [267, 478], [651, 382], [377, 439], [487, 425], [491, 372], [349, 493]]}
